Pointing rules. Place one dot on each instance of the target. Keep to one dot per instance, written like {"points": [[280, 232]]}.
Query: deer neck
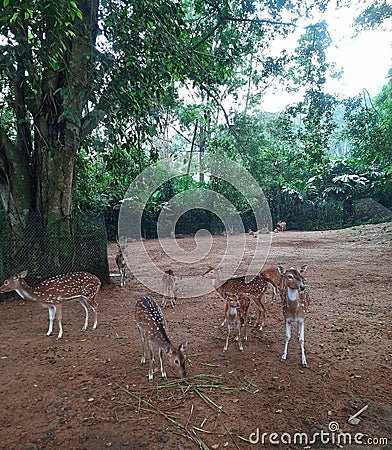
{"points": [[27, 292], [232, 311], [292, 305], [292, 295]]}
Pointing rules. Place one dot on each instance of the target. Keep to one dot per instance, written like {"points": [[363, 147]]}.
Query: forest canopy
{"points": [[94, 92]]}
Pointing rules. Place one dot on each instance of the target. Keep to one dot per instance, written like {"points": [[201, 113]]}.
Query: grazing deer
{"points": [[274, 278], [152, 328], [256, 289], [53, 292], [236, 315], [293, 308], [169, 288], [281, 226]]}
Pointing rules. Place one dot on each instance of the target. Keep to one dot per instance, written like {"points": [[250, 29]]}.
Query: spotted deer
{"points": [[256, 289], [53, 292], [236, 315], [152, 328], [169, 288], [293, 307]]}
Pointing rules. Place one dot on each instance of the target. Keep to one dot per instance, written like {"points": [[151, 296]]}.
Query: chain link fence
{"points": [[45, 254]]}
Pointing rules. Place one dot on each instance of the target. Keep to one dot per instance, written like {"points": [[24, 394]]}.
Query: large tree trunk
{"points": [[37, 168]]}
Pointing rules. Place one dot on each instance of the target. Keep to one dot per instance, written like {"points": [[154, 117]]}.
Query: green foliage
{"points": [[374, 15], [369, 130], [137, 56]]}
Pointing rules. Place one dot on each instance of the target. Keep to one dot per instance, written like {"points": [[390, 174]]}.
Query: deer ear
{"points": [[183, 346], [281, 270], [303, 268], [23, 274]]}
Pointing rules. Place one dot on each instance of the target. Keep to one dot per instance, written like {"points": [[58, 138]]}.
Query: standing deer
{"points": [[236, 315], [53, 292], [256, 289], [121, 264], [169, 288], [293, 307], [281, 226], [152, 328]]}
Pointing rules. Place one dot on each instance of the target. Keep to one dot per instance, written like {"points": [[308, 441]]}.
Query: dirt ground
{"points": [[89, 391]]}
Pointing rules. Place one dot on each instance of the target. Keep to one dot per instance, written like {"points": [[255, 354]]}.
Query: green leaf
{"points": [[152, 131]]}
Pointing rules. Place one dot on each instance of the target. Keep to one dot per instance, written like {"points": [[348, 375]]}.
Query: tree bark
{"points": [[37, 164]]}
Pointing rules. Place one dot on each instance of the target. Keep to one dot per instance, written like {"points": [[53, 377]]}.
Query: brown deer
{"points": [[53, 292], [293, 308], [281, 226], [256, 289], [275, 279], [236, 315], [169, 288], [121, 263], [152, 328]]}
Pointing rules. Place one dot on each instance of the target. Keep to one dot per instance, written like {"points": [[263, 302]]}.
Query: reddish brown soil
{"points": [[88, 390]]}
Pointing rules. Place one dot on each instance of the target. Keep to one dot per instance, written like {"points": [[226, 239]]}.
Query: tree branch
{"points": [[213, 95], [222, 19]]}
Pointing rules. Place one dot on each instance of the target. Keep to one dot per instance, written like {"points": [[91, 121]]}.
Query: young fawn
{"points": [[152, 328], [256, 289], [236, 315], [53, 292], [293, 306]]}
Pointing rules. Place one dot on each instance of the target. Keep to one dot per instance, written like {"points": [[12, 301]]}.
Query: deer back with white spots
{"points": [[53, 292], [152, 328]]}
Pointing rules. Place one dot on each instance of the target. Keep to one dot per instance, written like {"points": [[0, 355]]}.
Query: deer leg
{"points": [[52, 314], [225, 319], [301, 336], [227, 337], [261, 313], [94, 310], [59, 318], [151, 367], [164, 376], [143, 340], [288, 337], [239, 335], [246, 326], [83, 303]]}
